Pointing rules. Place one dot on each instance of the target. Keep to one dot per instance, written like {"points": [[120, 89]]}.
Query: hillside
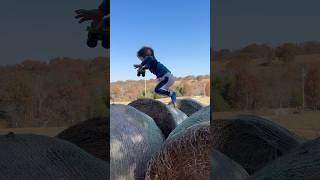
{"points": [[261, 76]]}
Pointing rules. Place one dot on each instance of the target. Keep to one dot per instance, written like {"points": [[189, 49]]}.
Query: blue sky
{"points": [[237, 23], [178, 30], [43, 29]]}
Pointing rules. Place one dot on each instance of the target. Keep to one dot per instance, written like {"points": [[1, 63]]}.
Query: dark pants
{"points": [[158, 89]]}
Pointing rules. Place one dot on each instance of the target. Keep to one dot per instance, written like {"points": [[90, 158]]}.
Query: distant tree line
{"points": [[261, 76], [60, 92], [122, 91]]}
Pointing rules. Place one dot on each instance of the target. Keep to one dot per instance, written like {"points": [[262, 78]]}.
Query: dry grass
{"points": [[306, 124], [53, 131], [203, 99]]}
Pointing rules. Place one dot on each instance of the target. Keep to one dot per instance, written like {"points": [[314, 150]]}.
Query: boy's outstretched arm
{"points": [[137, 65]]}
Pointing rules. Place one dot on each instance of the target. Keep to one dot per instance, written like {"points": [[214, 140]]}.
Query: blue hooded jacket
{"points": [[154, 66]]}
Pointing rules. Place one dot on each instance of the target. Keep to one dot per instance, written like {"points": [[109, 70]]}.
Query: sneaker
{"points": [[174, 98]]}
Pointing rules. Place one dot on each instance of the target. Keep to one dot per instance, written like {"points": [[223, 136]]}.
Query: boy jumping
{"points": [[164, 76]]}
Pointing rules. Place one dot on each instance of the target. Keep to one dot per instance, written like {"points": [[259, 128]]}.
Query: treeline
{"points": [[284, 52], [261, 76], [123, 91], [60, 92]]}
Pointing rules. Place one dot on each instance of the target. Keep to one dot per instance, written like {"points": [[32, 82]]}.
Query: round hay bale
{"points": [[198, 117], [90, 135], [189, 106], [29, 156], [302, 162], [222, 167], [185, 156], [166, 117], [134, 137], [252, 141]]}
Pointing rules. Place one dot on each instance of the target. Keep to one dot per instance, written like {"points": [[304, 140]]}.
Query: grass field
{"points": [[40, 131], [205, 100], [306, 124]]}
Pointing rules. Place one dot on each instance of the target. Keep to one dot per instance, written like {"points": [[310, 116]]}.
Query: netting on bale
{"points": [[166, 117], [90, 135], [189, 106], [222, 167], [186, 156], [134, 137], [198, 117], [302, 163], [252, 141], [28, 156]]}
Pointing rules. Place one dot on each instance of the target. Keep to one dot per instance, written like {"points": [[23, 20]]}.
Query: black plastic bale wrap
{"points": [[134, 138], [90, 135], [28, 156], [252, 141], [184, 156], [189, 106], [222, 167], [166, 117], [198, 117], [302, 163]]}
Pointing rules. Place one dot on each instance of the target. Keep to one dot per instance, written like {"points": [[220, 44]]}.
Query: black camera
{"points": [[142, 73]]}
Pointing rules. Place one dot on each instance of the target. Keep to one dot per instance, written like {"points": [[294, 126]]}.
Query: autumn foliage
{"points": [[60, 92], [263, 76]]}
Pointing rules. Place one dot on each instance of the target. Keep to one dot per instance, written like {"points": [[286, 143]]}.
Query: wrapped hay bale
{"points": [[223, 167], [189, 106], [134, 137], [28, 156], [184, 156], [252, 141], [301, 163], [166, 117], [198, 117], [91, 135]]}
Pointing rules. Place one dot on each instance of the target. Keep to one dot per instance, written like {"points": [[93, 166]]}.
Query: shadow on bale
{"points": [[166, 117], [198, 117], [301, 163], [252, 141], [90, 135], [223, 167], [185, 156], [189, 106], [134, 137], [30, 156]]}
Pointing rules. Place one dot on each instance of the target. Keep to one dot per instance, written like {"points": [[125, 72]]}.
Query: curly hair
{"points": [[145, 51]]}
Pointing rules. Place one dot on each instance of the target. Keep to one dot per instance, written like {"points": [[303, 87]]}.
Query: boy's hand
{"points": [[96, 15], [136, 65]]}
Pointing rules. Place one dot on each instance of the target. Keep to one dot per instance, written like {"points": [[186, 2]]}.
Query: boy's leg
{"points": [[159, 87], [170, 82], [172, 94]]}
